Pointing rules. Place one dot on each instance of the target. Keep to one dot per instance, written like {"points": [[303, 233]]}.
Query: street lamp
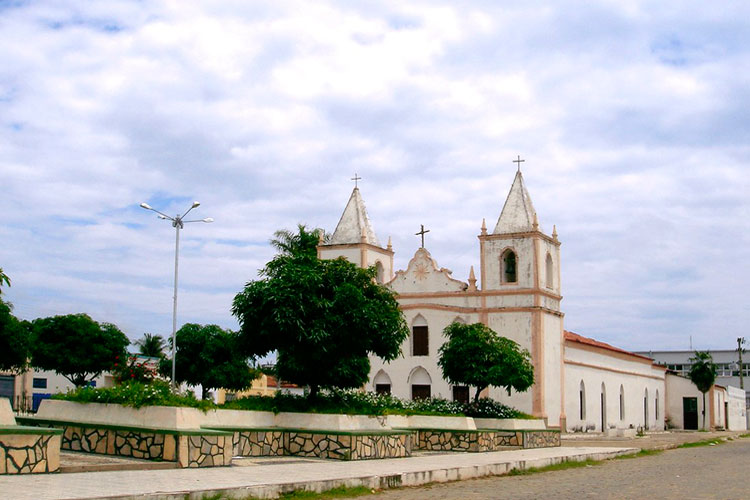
{"points": [[178, 222]]}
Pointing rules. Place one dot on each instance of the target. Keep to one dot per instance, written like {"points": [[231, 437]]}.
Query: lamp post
{"points": [[740, 350], [178, 222]]}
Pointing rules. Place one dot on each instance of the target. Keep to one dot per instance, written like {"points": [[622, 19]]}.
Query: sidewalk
{"points": [[268, 477]]}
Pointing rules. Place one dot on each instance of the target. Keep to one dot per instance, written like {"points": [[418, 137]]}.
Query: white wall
{"points": [[677, 389], [597, 369], [737, 409]]}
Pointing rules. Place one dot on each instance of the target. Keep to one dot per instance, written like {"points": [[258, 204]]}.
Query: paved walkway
{"points": [[266, 478]]}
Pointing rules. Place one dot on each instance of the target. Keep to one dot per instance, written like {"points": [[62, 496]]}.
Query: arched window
{"points": [[645, 409], [379, 272], [582, 401], [656, 407], [459, 320], [548, 273], [420, 337], [622, 403], [509, 264], [382, 383], [420, 382]]}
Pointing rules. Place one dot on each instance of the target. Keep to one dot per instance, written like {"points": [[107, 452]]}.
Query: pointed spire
{"points": [[554, 233], [484, 226], [472, 280], [390, 244], [354, 225], [321, 237], [518, 212], [535, 225]]}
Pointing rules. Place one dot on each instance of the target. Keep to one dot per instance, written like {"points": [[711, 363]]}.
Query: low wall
{"points": [[430, 422], [485, 440], [342, 445], [167, 417], [189, 448], [29, 450]]}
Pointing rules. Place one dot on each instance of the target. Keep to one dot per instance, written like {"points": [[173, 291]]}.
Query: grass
{"points": [[705, 442], [746, 435], [339, 492], [642, 453], [568, 464]]}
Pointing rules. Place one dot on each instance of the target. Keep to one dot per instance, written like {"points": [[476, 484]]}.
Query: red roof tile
{"points": [[574, 337]]}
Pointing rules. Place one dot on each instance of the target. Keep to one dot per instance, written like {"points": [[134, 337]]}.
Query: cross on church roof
{"points": [[356, 178], [422, 233], [519, 161]]}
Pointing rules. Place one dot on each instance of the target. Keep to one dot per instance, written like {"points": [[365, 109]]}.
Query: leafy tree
{"points": [[703, 374], [14, 340], [209, 356], [475, 355], [151, 345], [76, 347], [323, 317]]}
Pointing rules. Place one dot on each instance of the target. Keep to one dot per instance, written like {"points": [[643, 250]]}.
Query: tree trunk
{"points": [[476, 396], [313, 392], [204, 392], [704, 411]]}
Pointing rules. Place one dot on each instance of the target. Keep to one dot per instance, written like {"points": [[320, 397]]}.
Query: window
{"points": [[39, 383], [582, 401], [509, 267], [548, 272], [379, 272], [461, 393], [420, 391], [420, 337], [656, 407], [382, 388], [622, 403]]}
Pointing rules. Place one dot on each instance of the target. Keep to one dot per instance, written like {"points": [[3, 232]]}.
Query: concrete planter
{"points": [[334, 422], [237, 418], [510, 423], [164, 417], [430, 422]]}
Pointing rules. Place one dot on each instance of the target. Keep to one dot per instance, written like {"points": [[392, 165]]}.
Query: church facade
{"points": [[578, 383]]}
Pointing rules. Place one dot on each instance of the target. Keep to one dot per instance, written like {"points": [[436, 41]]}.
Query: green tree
{"points": [[76, 347], [475, 355], [14, 340], [210, 356], [322, 317], [703, 374], [151, 345]]}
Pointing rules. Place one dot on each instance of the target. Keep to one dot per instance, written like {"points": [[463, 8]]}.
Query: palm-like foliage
{"points": [[151, 345], [703, 374], [4, 280], [299, 244]]}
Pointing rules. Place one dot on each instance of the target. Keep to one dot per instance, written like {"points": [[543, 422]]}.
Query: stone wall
{"points": [[484, 440], [29, 453], [322, 444], [190, 448]]}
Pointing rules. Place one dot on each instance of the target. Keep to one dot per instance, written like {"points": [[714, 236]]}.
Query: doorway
{"points": [[690, 413]]}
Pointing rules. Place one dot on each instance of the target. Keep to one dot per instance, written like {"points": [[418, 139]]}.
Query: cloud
{"points": [[630, 118]]}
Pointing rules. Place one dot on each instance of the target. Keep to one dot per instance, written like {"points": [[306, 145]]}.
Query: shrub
{"points": [[133, 371], [136, 394]]}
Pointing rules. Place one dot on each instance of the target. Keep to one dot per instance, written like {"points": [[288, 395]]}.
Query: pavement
{"points": [[267, 477]]}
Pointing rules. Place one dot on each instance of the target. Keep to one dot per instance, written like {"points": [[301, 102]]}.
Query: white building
{"points": [[579, 383]]}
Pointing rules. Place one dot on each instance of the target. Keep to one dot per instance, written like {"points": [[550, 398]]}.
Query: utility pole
{"points": [[740, 341]]}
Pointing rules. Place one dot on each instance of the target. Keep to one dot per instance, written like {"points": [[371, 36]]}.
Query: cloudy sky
{"points": [[633, 119]]}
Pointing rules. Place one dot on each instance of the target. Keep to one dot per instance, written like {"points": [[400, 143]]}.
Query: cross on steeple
{"points": [[519, 161], [422, 233], [356, 178]]}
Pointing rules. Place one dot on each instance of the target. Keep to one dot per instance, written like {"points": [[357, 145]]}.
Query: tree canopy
{"points": [[14, 340], [210, 356], [703, 375], [151, 345], [322, 317], [76, 347], [475, 355]]}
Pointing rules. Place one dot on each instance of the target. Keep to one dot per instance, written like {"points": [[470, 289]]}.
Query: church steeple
{"points": [[518, 215], [354, 225]]}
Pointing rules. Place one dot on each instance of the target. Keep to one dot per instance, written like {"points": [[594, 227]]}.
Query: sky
{"points": [[632, 118]]}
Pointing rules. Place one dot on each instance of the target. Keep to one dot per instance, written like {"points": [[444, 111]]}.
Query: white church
{"points": [[580, 384]]}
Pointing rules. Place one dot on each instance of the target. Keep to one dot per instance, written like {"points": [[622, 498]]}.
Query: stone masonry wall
{"points": [[29, 453], [541, 439], [480, 441], [205, 450], [258, 443]]}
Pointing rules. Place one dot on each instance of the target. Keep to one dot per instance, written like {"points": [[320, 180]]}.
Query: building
{"points": [[580, 384], [727, 366]]}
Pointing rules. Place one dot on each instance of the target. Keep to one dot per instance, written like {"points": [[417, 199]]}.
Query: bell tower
{"points": [[520, 290], [355, 240]]}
